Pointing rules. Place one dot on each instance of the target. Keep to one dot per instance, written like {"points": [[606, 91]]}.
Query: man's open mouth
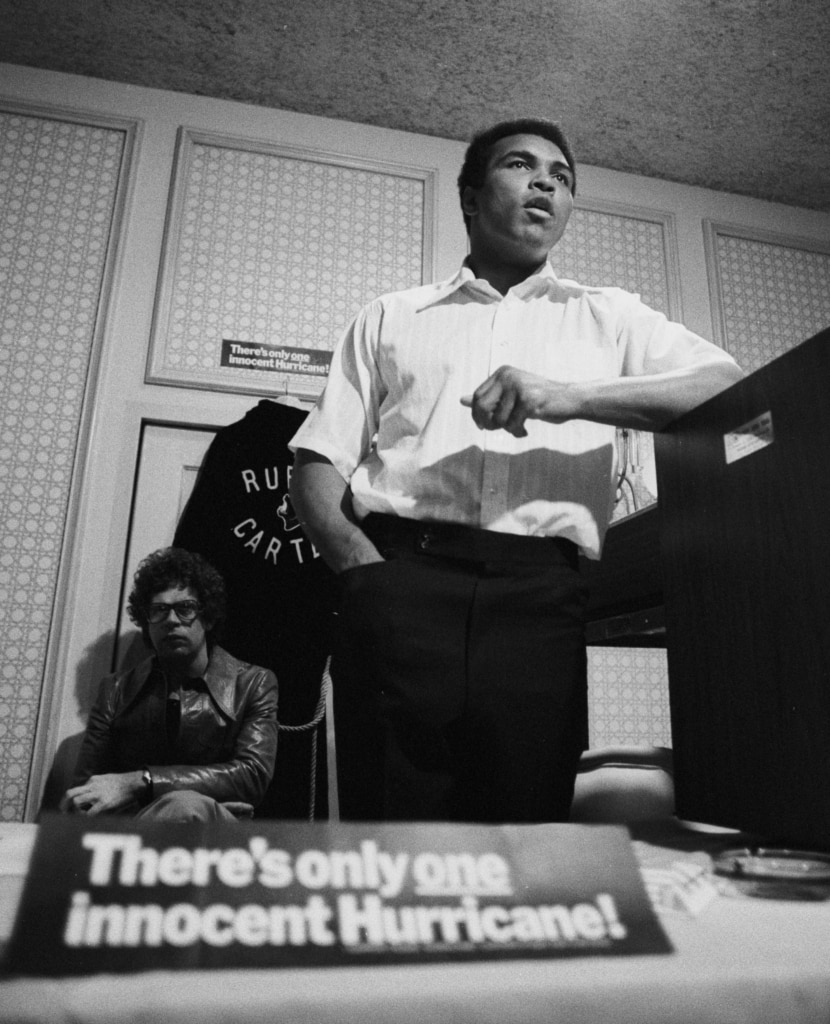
{"points": [[542, 205]]}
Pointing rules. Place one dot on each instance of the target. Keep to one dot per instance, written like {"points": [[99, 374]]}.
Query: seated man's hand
{"points": [[102, 794]]}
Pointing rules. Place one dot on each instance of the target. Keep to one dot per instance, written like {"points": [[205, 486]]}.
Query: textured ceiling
{"points": [[727, 94]]}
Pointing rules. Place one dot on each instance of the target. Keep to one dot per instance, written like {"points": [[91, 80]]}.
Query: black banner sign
{"points": [[247, 355], [113, 895]]}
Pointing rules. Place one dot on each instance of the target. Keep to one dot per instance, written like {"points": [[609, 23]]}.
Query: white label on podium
{"points": [[749, 438]]}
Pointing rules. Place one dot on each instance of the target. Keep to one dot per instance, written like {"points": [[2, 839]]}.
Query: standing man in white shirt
{"points": [[461, 455]]}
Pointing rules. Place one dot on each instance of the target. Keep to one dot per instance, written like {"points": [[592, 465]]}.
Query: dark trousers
{"points": [[460, 689], [187, 805]]}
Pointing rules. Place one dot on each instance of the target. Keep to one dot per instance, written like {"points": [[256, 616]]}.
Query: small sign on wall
{"points": [[284, 360], [255, 258]]}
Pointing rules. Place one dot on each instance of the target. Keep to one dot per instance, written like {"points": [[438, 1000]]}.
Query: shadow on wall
{"points": [[132, 650]]}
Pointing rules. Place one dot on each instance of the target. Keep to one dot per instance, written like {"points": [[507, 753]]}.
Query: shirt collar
{"points": [[219, 678], [543, 280]]}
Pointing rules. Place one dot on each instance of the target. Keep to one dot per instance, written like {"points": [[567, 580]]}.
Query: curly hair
{"points": [[474, 168], [175, 567]]}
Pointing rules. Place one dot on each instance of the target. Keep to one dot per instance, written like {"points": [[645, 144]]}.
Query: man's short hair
{"points": [[175, 567], [477, 157]]}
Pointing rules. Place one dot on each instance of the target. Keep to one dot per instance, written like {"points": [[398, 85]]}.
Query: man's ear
{"points": [[469, 200]]}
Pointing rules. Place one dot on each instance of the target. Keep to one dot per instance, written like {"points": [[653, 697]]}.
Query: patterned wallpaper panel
{"points": [[628, 687], [635, 253], [273, 251], [58, 183], [621, 249], [770, 296], [628, 697]]}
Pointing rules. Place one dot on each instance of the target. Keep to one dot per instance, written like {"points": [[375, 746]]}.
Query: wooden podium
{"points": [[744, 523]]}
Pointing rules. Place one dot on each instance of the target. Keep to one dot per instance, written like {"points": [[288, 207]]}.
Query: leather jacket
{"points": [[223, 740]]}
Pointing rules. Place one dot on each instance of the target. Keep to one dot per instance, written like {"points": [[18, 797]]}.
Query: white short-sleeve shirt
{"points": [[391, 421]]}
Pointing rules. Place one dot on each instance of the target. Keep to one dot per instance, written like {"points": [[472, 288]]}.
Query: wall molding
{"points": [[55, 667], [196, 350], [714, 231]]}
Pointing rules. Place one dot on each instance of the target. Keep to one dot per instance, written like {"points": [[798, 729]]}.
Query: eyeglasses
{"points": [[186, 612]]}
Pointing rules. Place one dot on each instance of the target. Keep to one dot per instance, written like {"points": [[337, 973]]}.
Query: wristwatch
{"points": [[147, 782]]}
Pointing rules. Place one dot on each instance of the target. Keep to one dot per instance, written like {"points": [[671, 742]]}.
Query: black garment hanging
{"points": [[281, 595]]}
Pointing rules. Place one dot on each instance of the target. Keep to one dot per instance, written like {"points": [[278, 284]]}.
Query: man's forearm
{"points": [[511, 396], [322, 501], [649, 403]]}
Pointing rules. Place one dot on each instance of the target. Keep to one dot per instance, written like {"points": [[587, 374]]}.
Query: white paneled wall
{"points": [[59, 184], [274, 226], [770, 292]]}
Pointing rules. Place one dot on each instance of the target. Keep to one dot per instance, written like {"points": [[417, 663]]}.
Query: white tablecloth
{"points": [[738, 960]]}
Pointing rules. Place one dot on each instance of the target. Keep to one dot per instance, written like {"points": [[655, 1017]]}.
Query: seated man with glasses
{"points": [[190, 733]]}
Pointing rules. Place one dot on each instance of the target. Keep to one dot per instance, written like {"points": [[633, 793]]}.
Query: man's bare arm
{"points": [[510, 396], [323, 504]]}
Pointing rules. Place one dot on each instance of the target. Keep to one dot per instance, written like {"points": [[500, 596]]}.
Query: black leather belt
{"points": [[454, 540]]}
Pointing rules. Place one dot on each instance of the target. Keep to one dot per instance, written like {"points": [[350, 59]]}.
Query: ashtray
{"points": [[777, 865], [776, 873]]}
